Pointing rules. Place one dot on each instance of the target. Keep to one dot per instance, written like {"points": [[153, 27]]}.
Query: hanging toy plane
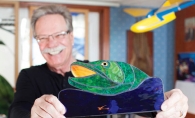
{"points": [[157, 17]]}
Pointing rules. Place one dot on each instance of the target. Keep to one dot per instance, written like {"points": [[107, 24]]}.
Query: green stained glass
{"points": [[102, 91], [111, 77], [95, 80], [139, 76]]}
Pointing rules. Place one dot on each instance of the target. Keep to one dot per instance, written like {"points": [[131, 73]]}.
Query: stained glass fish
{"points": [[106, 77], [110, 87]]}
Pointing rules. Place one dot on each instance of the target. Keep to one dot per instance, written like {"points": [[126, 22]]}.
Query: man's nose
{"points": [[51, 41], [51, 37]]}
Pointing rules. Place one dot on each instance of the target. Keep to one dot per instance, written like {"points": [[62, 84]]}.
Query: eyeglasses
{"points": [[57, 36]]}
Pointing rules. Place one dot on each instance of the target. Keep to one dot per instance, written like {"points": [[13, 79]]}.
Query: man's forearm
{"points": [[19, 112]]}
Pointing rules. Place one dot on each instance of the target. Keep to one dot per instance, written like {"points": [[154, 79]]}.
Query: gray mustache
{"points": [[49, 50]]}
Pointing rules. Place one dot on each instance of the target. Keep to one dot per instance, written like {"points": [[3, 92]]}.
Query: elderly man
{"points": [[38, 86]]}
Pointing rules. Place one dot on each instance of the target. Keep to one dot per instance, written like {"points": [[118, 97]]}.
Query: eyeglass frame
{"points": [[53, 35]]}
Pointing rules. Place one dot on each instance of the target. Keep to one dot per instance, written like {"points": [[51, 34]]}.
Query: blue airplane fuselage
{"points": [[174, 9]]}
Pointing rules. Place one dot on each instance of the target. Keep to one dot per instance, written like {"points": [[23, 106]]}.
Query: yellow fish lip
{"points": [[80, 71]]}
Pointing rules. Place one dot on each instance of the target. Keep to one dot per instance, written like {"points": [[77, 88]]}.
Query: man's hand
{"points": [[174, 106], [47, 106]]}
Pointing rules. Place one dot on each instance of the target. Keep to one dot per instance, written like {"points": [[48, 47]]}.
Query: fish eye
{"points": [[104, 64]]}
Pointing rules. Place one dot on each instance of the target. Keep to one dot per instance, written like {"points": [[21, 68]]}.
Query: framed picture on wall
{"points": [[186, 67], [80, 30], [189, 29], [140, 51]]}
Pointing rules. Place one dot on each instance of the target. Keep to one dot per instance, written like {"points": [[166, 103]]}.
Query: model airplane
{"points": [[157, 17]]}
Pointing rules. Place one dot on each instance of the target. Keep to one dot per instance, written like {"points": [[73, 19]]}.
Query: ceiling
{"points": [[113, 3]]}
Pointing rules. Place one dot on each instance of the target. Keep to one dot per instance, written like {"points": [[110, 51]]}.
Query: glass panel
{"points": [[110, 87], [79, 35], [24, 33], [7, 43], [37, 57], [8, 54], [143, 99]]}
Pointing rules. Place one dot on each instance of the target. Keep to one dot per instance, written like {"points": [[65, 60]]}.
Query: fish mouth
{"points": [[80, 71]]}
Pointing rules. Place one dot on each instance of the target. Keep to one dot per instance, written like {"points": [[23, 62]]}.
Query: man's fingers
{"points": [[175, 106], [182, 112], [50, 110], [185, 109], [47, 106], [39, 113], [56, 103], [171, 113], [182, 104], [174, 96], [34, 115]]}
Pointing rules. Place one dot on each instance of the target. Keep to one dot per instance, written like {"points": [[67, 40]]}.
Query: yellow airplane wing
{"points": [[137, 12], [177, 1]]}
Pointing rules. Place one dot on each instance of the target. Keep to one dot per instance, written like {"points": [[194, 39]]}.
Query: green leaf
{"points": [[6, 95], [1, 42]]}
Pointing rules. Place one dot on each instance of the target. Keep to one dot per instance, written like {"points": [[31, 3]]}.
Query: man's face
{"points": [[56, 51]]}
